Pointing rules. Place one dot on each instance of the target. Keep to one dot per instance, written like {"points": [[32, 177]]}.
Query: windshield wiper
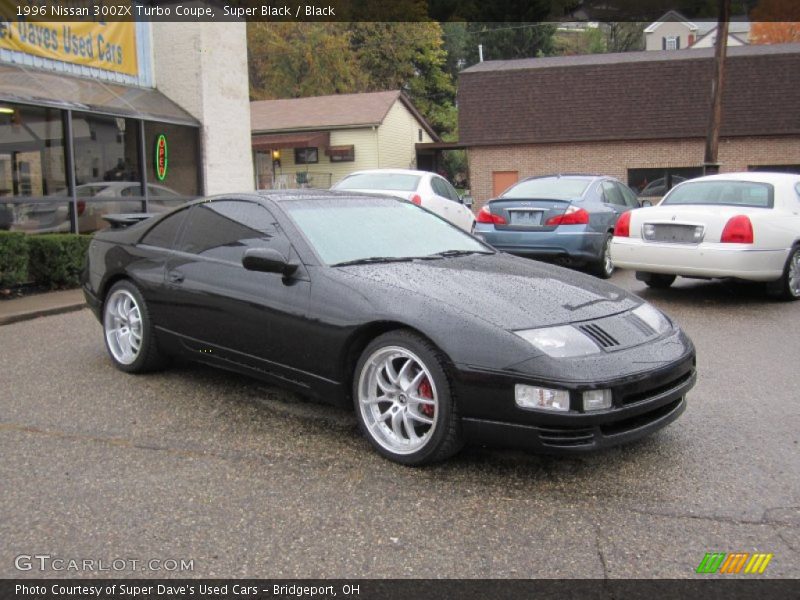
{"points": [[449, 253], [374, 260]]}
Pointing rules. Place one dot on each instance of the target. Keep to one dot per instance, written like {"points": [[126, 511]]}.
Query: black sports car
{"points": [[435, 338]]}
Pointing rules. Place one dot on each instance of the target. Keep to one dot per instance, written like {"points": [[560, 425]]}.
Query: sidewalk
{"points": [[40, 305]]}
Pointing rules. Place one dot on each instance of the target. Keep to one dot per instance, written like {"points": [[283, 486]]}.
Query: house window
{"points": [[672, 42], [306, 156], [775, 168], [656, 182], [342, 153]]}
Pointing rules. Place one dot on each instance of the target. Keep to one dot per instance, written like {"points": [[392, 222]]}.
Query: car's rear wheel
{"points": [[604, 267], [659, 281], [788, 286], [404, 401], [128, 330]]}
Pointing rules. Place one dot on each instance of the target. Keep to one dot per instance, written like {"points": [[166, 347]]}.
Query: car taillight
{"points": [[486, 216], [416, 199], [623, 226], [81, 207], [572, 216], [738, 230]]}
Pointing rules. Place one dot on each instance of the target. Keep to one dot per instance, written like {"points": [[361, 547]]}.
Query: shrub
{"points": [[57, 259], [13, 258]]}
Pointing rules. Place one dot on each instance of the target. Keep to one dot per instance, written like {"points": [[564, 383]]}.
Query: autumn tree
{"points": [[775, 22], [294, 60]]}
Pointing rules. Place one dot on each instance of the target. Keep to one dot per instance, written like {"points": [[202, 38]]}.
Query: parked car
{"points": [[658, 187], [94, 201], [430, 335], [569, 218], [735, 225], [423, 188]]}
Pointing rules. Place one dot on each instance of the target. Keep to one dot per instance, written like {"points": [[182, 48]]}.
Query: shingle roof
{"points": [[636, 95], [327, 112]]}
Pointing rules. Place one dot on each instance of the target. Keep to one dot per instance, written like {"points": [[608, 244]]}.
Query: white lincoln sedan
{"points": [[733, 225]]}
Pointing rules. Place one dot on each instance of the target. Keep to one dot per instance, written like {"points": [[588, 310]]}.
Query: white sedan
{"points": [[424, 188], [733, 225]]}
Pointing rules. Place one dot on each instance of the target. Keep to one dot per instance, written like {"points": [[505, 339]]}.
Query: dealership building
{"points": [[116, 117]]}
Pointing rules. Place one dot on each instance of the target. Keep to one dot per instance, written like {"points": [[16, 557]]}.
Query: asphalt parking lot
{"points": [[248, 481]]}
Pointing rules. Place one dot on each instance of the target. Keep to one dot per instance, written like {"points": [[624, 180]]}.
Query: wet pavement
{"points": [[245, 480]]}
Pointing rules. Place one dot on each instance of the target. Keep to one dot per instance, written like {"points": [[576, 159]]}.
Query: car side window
{"points": [[165, 232], [451, 192], [225, 229], [612, 194], [631, 200], [444, 189]]}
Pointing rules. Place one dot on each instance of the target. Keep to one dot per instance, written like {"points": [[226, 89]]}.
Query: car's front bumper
{"points": [[642, 403], [699, 260], [566, 241]]}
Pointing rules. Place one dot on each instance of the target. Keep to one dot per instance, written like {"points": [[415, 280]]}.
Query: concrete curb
{"points": [[43, 312]]}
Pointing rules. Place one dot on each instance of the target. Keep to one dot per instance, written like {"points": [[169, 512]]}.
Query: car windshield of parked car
{"points": [[397, 182], [732, 193], [549, 188], [344, 230]]}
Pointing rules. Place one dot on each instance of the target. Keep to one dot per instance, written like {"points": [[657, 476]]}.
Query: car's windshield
{"points": [[734, 193], [352, 229], [549, 188], [398, 182]]}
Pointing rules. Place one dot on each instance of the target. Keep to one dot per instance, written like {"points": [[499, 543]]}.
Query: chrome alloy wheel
{"points": [[398, 400], [794, 274], [122, 322]]}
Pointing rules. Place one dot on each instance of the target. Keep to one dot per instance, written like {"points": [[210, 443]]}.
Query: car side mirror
{"points": [[466, 200], [267, 260], [645, 203]]}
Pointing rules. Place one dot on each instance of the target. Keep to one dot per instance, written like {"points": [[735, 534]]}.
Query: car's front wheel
{"points": [[404, 401], [128, 330], [788, 286]]}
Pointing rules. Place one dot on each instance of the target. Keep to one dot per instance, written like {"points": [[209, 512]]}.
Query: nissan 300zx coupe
{"points": [[434, 338]]}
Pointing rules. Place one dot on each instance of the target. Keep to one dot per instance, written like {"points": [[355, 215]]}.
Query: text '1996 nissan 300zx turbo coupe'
{"points": [[434, 337]]}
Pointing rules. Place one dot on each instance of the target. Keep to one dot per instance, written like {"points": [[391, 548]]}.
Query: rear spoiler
{"points": [[121, 221]]}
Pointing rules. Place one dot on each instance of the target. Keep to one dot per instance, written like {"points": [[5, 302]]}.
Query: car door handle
{"points": [[175, 277]]}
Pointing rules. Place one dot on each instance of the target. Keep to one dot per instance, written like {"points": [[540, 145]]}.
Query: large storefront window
{"points": [[32, 174], [107, 163], [107, 174], [175, 149]]}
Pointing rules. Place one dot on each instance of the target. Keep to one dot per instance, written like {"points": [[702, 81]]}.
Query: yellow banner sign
{"points": [[110, 45]]}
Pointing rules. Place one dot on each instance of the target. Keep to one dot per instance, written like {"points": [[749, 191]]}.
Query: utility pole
{"points": [[711, 161]]}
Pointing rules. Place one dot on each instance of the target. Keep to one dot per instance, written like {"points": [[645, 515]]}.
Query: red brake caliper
{"points": [[425, 391]]}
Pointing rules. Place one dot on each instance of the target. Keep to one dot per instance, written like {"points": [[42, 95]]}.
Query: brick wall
{"points": [[615, 158]]}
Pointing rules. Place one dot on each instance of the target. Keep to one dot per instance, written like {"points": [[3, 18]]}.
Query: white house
{"points": [[674, 32], [316, 141]]}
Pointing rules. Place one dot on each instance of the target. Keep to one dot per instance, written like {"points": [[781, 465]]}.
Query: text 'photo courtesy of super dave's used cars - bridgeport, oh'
{"points": [[431, 335], [731, 226]]}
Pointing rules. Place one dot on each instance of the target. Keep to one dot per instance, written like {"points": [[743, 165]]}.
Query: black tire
{"points": [[147, 356], [788, 286], [437, 441], [604, 266], [658, 281]]}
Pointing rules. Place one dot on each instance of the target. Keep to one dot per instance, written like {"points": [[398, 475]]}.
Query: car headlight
{"points": [[560, 342], [653, 317]]}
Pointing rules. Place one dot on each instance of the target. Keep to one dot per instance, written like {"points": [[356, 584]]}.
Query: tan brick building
{"points": [[637, 116]]}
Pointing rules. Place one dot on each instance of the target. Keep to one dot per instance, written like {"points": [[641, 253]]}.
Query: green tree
{"points": [[410, 57]]}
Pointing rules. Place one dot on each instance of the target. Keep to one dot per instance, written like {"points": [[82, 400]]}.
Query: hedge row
{"points": [[54, 260]]}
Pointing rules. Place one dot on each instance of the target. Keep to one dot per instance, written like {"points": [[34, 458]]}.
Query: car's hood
{"points": [[509, 292]]}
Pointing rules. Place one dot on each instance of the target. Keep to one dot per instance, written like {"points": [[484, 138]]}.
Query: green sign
{"points": [[161, 157]]}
